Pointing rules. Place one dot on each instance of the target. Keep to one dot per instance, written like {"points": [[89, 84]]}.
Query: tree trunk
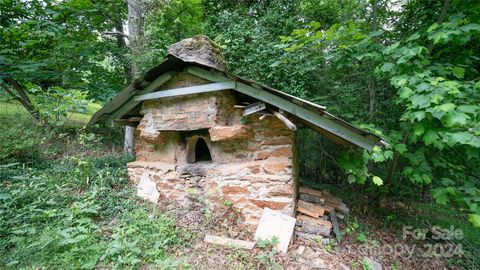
{"points": [[135, 32], [372, 85], [127, 69]]}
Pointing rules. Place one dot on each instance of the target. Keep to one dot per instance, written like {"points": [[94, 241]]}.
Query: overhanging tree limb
{"points": [[21, 95]]}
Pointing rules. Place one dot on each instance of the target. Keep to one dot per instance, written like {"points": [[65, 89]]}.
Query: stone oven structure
{"points": [[204, 133]]}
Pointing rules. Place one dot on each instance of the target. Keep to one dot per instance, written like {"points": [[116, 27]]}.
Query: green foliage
{"points": [[362, 238], [54, 218], [267, 256], [166, 23], [57, 44], [57, 104], [433, 79]]}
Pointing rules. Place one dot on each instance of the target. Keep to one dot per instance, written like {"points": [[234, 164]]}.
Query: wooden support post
{"points": [[129, 142], [285, 120], [336, 229]]}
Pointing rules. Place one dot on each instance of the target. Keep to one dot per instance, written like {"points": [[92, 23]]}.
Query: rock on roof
{"points": [[199, 49]]}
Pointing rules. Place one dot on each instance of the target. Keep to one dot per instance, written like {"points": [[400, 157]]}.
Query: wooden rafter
{"points": [[254, 108], [187, 90], [131, 103]]}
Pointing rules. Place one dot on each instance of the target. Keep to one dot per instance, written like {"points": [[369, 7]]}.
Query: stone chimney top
{"points": [[200, 49]]}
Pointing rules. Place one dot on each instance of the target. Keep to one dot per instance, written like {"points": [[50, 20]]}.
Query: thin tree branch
{"points": [[115, 33], [441, 18]]}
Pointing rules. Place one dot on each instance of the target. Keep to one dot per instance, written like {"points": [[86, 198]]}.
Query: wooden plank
{"points": [[308, 227], [312, 199], [197, 89], [253, 108], [310, 209], [312, 192], [336, 229], [131, 103], [135, 119], [320, 222], [228, 242], [125, 122], [330, 198], [307, 212], [290, 107], [328, 208], [341, 207]]}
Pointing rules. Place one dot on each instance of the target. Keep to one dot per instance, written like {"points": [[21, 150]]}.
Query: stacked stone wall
{"points": [[252, 159]]}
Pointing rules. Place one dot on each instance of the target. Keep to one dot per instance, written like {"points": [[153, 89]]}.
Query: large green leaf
{"points": [[455, 118], [405, 92], [377, 181], [474, 219], [430, 137], [445, 107], [420, 101]]}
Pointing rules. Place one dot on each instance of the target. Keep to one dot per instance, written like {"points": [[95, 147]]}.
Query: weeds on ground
{"points": [[267, 255], [80, 214]]}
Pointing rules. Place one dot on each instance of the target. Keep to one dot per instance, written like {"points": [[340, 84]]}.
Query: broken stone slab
{"points": [[228, 242], [300, 250], [199, 49], [147, 189], [276, 224], [223, 133]]}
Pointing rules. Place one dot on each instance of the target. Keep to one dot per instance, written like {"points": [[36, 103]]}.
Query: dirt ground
{"points": [[197, 221]]}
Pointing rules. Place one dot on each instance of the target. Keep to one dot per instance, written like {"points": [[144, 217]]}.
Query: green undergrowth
{"points": [[25, 141], [80, 213], [10, 110]]}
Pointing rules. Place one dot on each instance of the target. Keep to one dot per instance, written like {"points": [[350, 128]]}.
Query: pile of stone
{"points": [[317, 212]]}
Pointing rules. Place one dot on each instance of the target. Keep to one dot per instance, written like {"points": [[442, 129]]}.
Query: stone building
{"points": [[203, 132]]}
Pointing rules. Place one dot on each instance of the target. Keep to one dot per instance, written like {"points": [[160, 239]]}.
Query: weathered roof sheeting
{"points": [[311, 114]]}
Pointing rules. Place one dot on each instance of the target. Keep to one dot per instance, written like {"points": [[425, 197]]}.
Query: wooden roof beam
{"points": [[131, 103], [197, 89], [290, 107]]}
